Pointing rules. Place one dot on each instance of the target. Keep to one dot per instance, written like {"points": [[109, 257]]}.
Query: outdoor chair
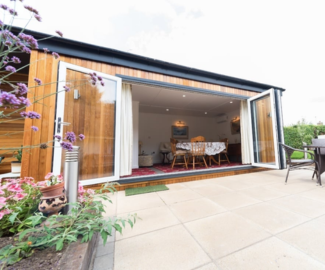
{"points": [[177, 153], [298, 164]]}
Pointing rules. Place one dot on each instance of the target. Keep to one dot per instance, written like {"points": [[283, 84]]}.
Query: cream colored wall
{"points": [[156, 128], [223, 130]]}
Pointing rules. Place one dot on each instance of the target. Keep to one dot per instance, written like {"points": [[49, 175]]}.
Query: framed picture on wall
{"points": [[180, 132]]}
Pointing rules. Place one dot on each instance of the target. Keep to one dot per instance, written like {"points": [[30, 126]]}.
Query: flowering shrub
{"points": [[16, 97], [19, 199]]}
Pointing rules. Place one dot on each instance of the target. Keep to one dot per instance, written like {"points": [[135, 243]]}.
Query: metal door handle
{"points": [[61, 124]]}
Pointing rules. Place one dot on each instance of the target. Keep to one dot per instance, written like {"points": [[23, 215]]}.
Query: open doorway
{"points": [[157, 109]]}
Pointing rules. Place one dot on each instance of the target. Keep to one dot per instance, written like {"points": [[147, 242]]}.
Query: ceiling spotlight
{"points": [[167, 110], [230, 101], [184, 95], [206, 113]]}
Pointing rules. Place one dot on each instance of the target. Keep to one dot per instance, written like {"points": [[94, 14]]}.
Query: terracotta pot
{"points": [[53, 199], [53, 205], [52, 191]]}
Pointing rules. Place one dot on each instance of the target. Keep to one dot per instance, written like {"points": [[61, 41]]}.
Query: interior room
{"points": [[157, 109]]}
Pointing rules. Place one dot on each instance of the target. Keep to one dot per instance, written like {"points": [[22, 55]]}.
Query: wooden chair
{"points": [[197, 150], [224, 152], [298, 164], [177, 153]]}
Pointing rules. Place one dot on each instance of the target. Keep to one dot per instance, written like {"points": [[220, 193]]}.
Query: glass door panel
{"points": [[264, 131], [91, 111]]}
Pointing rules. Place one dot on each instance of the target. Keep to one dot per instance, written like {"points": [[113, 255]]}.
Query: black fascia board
{"points": [[178, 86], [106, 55]]}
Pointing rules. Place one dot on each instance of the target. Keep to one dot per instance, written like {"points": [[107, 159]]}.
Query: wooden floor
{"points": [[174, 179]]}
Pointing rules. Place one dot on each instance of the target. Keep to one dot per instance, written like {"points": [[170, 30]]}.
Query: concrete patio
{"points": [[249, 221]]}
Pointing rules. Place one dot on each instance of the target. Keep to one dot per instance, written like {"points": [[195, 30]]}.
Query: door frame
{"points": [[59, 112], [269, 92]]}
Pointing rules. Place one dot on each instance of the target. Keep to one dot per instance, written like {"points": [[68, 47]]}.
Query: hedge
{"points": [[295, 135]]}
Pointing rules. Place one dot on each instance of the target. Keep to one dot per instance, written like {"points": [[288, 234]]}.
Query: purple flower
{"points": [[34, 128], [38, 17], [55, 55], [16, 60], [25, 101], [26, 50], [39, 82], [13, 12], [59, 33], [46, 50], [1, 23], [10, 69], [31, 9], [70, 136], [4, 7], [30, 115], [22, 88], [5, 62], [66, 88], [8, 99], [99, 78], [67, 146], [102, 83], [58, 137], [29, 40], [81, 137], [8, 43]]}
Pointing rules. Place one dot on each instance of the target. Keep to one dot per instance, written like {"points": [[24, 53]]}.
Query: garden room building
{"points": [[134, 113]]}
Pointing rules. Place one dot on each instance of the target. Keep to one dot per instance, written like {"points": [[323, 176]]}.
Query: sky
{"points": [[280, 43]]}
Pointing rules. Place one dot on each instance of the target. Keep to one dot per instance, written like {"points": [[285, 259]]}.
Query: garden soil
{"points": [[41, 259]]}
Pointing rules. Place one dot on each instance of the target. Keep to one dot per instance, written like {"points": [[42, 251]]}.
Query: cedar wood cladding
{"points": [[39, 162]]}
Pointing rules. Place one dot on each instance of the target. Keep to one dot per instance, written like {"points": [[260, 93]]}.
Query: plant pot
{"points": [[53, 199], [52, 191], [52, 206], [15, 166]]}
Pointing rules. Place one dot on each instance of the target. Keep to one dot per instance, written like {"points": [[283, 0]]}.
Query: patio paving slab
{"points": [[301, 205], [170, 248], [269, 254], [170, 196], [150, 220], [263, 193], [271, 218], [233, 200], [225, 233], [138, 202], [195, 209], [308, 237]]}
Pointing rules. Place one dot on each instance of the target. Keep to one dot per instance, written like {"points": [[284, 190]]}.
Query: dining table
{"points": [[319, 152], [210, 149]]}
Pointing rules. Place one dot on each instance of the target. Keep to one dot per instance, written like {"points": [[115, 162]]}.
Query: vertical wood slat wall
{"points": [[15, 128], [38, 162]]}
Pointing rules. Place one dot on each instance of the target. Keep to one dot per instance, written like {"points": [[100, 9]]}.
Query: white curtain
{"points": [[245, 133], [126, 130]]}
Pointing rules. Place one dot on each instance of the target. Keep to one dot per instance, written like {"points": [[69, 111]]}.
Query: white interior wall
{"points": [[224, 129], [135, 114], [156, 128]]}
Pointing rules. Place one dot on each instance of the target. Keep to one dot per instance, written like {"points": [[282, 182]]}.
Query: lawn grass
{"points": [[299, 155]]}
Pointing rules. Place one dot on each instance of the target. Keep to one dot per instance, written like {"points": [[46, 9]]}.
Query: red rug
{"points": [[166, 168], [140, 172]]}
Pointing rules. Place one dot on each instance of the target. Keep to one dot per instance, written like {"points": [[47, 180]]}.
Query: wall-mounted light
{"points": [[180, 123], [76, 94], [167, 110], [206, 113]]}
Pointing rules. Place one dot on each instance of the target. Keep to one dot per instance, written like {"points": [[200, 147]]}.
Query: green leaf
{"points": [[91, 233], [104, 235], [118, 228], [59, 244], [12, 259], [13, 217], [130, 222]]}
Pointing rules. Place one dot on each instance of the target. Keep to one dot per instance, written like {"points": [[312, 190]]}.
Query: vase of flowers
{"points": [[53, 199]]}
